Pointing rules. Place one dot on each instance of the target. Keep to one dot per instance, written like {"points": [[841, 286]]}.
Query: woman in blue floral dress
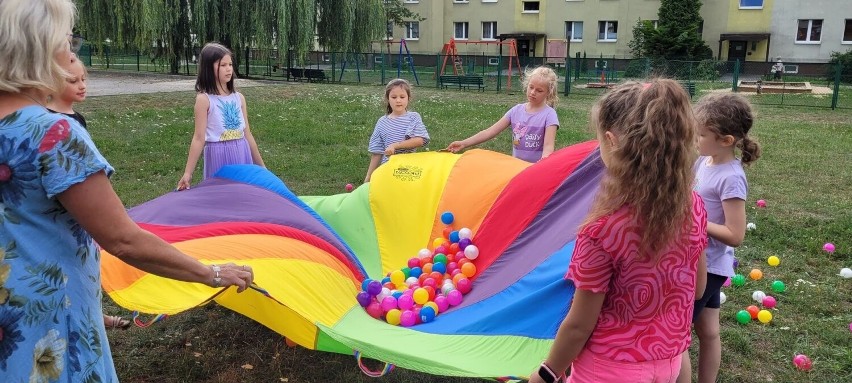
{"points": [[55, 201]]}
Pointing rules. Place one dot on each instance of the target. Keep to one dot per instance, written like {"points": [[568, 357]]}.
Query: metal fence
{"points": [[801, 84]]}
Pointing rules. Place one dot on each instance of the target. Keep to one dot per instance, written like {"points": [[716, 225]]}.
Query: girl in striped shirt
{"points": [[399, 131]]}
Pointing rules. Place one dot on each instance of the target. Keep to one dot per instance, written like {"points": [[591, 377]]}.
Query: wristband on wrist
{"points": [[217, 280], [547, 374]]}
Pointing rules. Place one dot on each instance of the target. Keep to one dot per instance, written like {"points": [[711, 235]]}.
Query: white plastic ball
{"points": [[471, 252], [411, 280], [424, 253], [758, 296], [465, 233], [722, 298], [846, 272], [751, 226]]}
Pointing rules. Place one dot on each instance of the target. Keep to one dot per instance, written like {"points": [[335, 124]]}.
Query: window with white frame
{"points": [[607, 30], [847, 32], [489, 30], [412, 30], [461, 30], [531, 6], [574, 31], [751, 4], [411, 1], [489, 1], [461, 1], [810, 31]]}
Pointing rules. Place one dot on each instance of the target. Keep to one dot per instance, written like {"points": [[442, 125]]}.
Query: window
{"points": [[809, 31], [607, 30], [461, 1], [847, 32], [574, 31], [531, 6], [461, 30], [751, 4], [489, 30], [412, 30], [493, 60], [489, 1], [411, 1]]}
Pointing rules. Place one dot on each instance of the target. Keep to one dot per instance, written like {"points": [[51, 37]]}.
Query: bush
{"points": [[636, 68], [845, 60]]}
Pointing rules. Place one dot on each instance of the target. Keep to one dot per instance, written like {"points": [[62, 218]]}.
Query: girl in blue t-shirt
{"points": [[221, 122], [533, 123], [398, 131]]}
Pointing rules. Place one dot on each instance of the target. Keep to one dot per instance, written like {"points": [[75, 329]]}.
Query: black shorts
{"points": [[710, 299]]}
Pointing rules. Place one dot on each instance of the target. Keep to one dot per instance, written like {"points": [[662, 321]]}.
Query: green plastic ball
{"points": [[738, 280], [743, 317], [778, 287]]}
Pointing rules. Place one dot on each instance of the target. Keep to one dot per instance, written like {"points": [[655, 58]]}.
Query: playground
{"points": [[144, 137]]}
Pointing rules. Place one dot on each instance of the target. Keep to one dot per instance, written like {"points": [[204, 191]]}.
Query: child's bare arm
{"points": [[732, 232], [375, 160], [549, 141], [413, 142], [202, 103], [701, 276], [255, 152], [575, 329], [480, 137]]}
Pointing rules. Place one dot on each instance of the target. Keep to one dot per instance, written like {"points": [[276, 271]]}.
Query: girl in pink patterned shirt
{"points": [[638, 261]]}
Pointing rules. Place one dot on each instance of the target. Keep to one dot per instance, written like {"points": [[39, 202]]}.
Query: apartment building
{"points": [[749, 30]]}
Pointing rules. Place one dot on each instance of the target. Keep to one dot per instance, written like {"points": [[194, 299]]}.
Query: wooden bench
{"points": [[308, 74], [462, 81], [689, 87]]}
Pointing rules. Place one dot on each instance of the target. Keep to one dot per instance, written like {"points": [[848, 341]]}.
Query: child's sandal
{"points": [[114, 322]]}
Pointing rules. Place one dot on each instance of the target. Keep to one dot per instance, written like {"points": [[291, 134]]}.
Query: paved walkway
{"points": [[108, 83]]}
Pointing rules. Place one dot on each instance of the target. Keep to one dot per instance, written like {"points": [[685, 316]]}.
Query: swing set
{"points": [[389, 43], [451, 53]]}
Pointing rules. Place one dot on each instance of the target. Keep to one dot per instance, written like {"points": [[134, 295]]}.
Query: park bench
{"points": [[308, 74], [462, 81], [689, 87]]}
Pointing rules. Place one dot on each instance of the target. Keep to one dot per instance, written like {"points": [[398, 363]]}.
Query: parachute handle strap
{"points": [[372, 373]]}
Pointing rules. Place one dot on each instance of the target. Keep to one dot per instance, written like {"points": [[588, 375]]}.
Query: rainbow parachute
{"points": [[310, 255]]}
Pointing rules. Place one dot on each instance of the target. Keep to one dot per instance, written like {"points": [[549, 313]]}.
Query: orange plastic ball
{"points": [[755, 274], [753, 311], [468, 269]]}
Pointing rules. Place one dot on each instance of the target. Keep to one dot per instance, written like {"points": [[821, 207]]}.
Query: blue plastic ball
{"points": [[447, 218], [439, 267], [365, 284], [454, 236], [427, 314], [416, 271]]}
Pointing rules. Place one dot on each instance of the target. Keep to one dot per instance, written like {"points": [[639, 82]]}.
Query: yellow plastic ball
{"points": [[438, 242], [397, 277], [755, 274], [764, 316], [773, 261], [420, 296], [393, 316]]}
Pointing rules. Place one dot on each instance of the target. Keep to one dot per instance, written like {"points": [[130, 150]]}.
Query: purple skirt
{"points": [[219, 154]]}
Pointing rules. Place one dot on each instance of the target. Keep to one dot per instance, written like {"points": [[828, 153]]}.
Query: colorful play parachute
{"points": [[310, 255]]}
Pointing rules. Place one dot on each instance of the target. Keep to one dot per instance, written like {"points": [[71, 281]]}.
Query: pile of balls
{"points": [[753, 312], [433, 281]]}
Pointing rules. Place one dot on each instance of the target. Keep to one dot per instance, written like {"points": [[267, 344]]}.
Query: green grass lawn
{"points": [[314, 137]]}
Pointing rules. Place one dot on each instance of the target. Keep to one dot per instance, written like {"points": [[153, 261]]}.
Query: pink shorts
{"points": [[590, 367]]}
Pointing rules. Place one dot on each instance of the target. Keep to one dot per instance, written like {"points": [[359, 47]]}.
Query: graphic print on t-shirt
{"points": [[518, 134]]}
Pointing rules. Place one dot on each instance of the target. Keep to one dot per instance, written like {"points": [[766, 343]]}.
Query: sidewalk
{"points": [[109, 83]]}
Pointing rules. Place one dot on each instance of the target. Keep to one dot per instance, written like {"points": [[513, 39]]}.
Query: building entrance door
{"points": [[737, 50]]}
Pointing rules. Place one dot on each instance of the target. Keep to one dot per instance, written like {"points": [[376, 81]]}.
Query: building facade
{"points": [[748, 30]]}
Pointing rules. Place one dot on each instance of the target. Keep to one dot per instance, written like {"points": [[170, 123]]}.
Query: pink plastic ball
{"points": [[408, 318], [389, 303], [769, 302], [464, 285], [405, 302], [828, 248], [442, 303], [727, 282], [454, 298], [349, 187], [413, 262], [802, 362], [374, 309], [760, 203]]}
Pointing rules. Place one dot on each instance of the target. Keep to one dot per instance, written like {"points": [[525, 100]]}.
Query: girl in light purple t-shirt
{"points": [[533, 123], [724, 120]]}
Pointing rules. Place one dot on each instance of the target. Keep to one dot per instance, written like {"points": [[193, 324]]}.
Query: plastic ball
{"points": [[439, 268], [433, 305], [430, 291], [764, 316], [439, 258], [722, 298], [437, 242], [464, 285], [441, 302], [828, 248], [751, 226], [424, 253], [760, 203], [374, 309], [446, 232], [463, 243], [393, 317], [413, 262], [454, 298], [363, 299], [758, 296], [421, 296], [743, 317], [753, 311], [738, 280], [365, 284], [426, 269], [727, 283], [471, 252], [405, 302], [397, 277], [773, 261], [769, 302], [846, 272], [469, 269], [447, 288], [778, 287], [755, 274], [374, 288], [454, 248], [850, 326], [349, 187], [389, 303], [465, 233], [802, 362], [427, 314], [447, 218], [429, 282], [408, 318], [454, 236]]}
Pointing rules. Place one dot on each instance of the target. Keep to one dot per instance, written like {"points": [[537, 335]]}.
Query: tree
{"points": [[676, 36], [167, 27], [638, 44]]}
